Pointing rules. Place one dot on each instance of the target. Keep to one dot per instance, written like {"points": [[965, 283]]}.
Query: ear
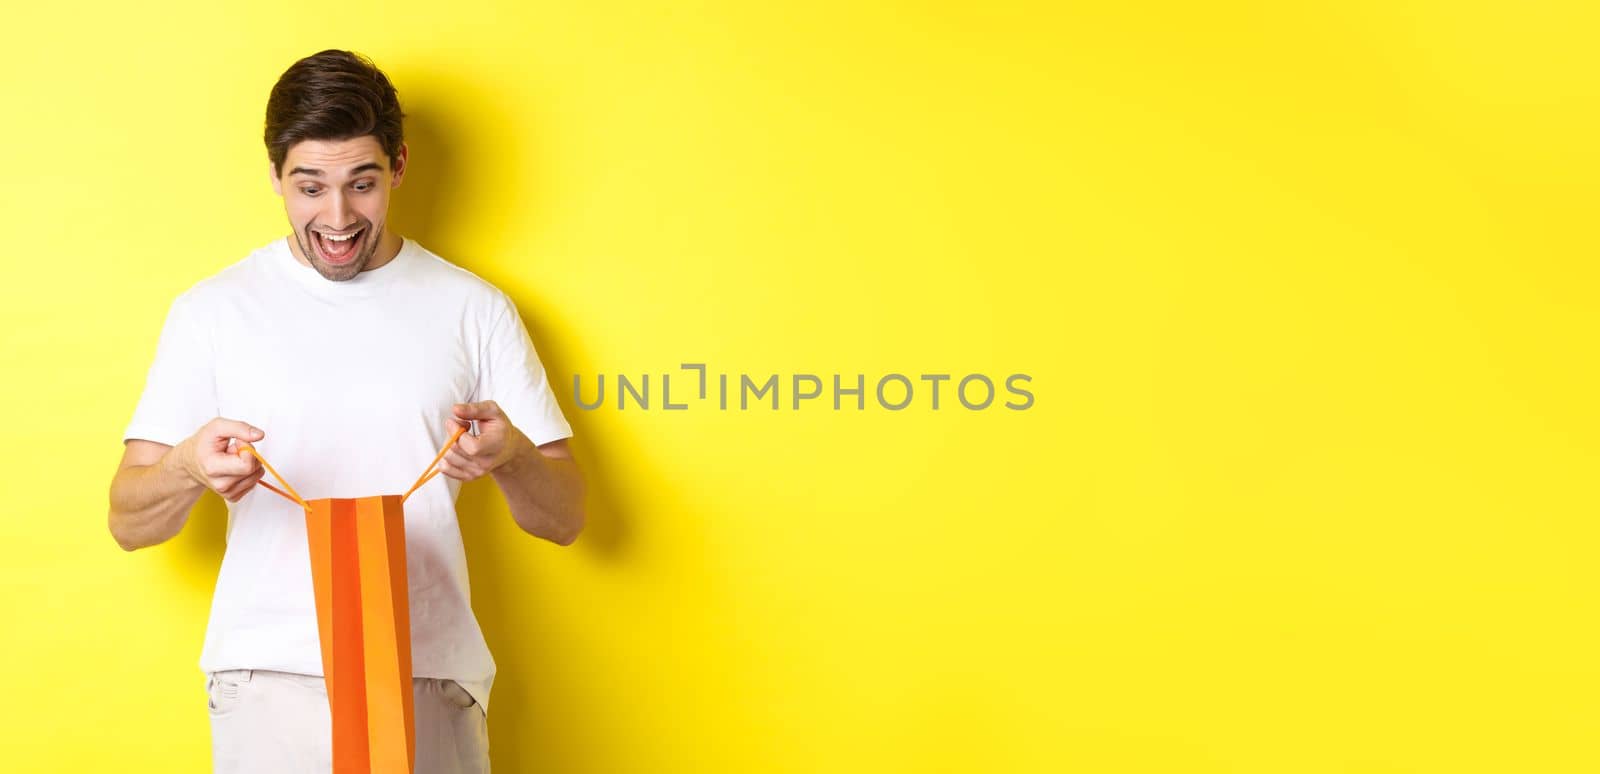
{"points": [[272, 172], [399, 167]]}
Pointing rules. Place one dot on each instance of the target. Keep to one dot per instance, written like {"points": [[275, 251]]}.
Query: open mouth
{"points": [[338, 248]]}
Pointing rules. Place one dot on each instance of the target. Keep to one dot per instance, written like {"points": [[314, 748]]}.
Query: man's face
{"points": [[336, 193]]}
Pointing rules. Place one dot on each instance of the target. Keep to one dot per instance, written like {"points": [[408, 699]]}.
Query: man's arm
{"points": [[544, 489], [542, 484], [156, 485]]}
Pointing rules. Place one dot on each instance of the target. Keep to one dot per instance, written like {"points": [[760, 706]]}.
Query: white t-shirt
{"points": [[352, 384]]}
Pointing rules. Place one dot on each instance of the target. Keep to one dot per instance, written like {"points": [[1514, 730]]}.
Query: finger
{"points": [[453, 425], [457, 458], [237, 453], [241, 484], [453, 470], [243, 452], [221, 429], [469, 445], [238, 492], [227, 467], [485, 410], [255, 467], [231, 494]]}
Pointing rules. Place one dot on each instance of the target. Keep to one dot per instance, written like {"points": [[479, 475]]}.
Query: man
{"points": [[347, 355]]}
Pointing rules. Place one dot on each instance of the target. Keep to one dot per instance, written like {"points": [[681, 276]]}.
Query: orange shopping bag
{"points": [[358, 572]]}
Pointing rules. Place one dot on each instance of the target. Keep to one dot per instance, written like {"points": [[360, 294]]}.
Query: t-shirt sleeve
{"points": [[511, 375], [180, 391]]}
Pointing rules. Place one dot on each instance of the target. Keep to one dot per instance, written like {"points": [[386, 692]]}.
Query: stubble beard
{"points": [[347, 272]]}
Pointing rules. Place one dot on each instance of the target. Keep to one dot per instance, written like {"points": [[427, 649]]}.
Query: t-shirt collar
{"points": [[362, 285]]}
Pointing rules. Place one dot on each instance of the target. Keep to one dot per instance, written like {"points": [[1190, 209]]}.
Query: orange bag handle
{"points": [[291, 494], [427, 475]]}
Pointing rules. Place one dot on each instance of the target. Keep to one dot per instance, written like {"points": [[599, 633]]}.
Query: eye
{"points": [[310, 191], [363, 186]]}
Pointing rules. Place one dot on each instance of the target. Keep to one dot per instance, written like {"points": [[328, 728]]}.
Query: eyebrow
{"points": [[367, 167]]}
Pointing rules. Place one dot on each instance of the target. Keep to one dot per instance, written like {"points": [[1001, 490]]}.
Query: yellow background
{"points": [[1306, 291]]}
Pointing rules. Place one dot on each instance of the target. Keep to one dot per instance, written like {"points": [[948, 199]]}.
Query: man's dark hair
{"points": [[332, 95]]}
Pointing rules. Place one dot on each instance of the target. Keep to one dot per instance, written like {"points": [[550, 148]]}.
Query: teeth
{"points": [[333, 238]]}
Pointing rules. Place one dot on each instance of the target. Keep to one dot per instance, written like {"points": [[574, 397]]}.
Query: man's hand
{"points": [[542, 484], [495, 445], [208, 458]]}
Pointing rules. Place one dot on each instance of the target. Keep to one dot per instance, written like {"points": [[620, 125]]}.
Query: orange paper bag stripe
{"points": [[358, 570]]}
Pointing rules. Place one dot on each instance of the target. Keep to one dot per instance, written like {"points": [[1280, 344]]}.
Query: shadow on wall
{"points": [[438, 201]]}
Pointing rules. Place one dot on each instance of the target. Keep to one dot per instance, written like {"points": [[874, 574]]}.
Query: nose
{"points": [[340, 215]]}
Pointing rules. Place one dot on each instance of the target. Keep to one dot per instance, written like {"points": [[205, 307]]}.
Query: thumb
{"points": [[221, 434], [244, 431]]}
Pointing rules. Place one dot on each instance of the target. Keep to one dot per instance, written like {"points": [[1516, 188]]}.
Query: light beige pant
{"points": [[276, 722]]}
